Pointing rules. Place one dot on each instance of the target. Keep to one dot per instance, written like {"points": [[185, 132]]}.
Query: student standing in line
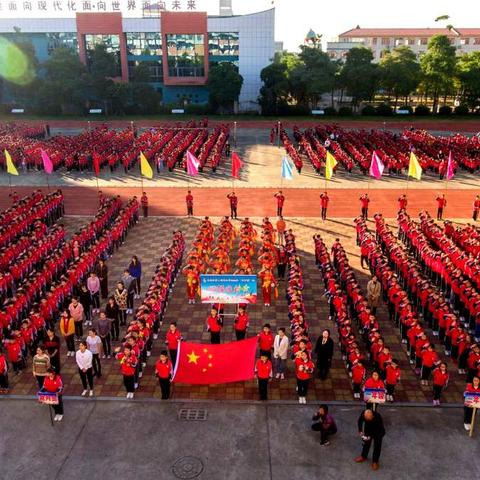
{"points": [[163, 371], [53, 384], [214, 326], [84, 357], [172, 340], [303, 371], [40, 365], [94, 344], [440, 382], [263, 371], [128, 366], [241, 323], [265, 341]]}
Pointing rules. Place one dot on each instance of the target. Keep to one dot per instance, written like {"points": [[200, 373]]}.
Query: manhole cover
{"points": [[187, 467], [192, 414]]}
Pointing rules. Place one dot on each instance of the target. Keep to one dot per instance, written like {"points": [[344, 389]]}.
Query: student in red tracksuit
{"points": [[128, 365], [263, 371], [189, 202], [3, 373], [163, 371], [214, 326], [53, 384], [144, 202], [324, 199], [304, 368], [265, 341], [402, 203], [392, 378], [473, 387], [280, 202], [364, 201], [233, 204], [476, 207], [429, 360], [172, 340], [440, 382], [358, 376], [441, 204], [241, 323], [14, 353]]}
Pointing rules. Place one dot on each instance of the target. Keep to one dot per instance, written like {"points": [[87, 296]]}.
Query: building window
{"points": [[111, 43], [144, 44], [223, 47], [464, 41], [186, 54], [374, 40], [411, 41], [155, 70], [385, 41], [423, 41], [56, 40]]}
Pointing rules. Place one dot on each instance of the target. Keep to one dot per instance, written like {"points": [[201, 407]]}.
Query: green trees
{"points": [[224, 84], [438, 65], [400, 73], [359, 76], [468, 74]]}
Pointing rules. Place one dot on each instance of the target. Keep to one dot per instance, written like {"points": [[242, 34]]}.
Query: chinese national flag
{"points": [[205, 364]]}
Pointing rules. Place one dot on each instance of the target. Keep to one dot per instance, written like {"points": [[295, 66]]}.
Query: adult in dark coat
{"points": [[102, 274], [324, 352], [371, 429]]}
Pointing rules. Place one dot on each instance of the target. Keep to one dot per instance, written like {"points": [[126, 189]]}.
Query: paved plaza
{"points": [[146, 439]]}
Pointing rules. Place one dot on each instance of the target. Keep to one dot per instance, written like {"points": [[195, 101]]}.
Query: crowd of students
{"points": [[353, 148], [47, 300], [164, 147]]}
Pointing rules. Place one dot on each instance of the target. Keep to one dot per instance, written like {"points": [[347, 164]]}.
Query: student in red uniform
{"points": [[429, 360], [263, 371], [280, 202], [402, 203], [144, 202], [324, 199], [189, 202], [53, 384], [358, 376], [163, 371], [473, 387], [440, 382], [392, 378], [441, 204], [476, 207], [3, 373], [364, 201], [214, 326], [173, 338], [128, 365], [303, 371], [233, 204], [265, 341], [241, 323]]}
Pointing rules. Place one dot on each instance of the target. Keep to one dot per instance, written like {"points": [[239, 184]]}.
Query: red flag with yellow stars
{"points": [[205, 364]]}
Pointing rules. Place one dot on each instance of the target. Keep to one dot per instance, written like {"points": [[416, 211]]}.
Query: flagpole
{"points": [[10, 183], [48, 182]]}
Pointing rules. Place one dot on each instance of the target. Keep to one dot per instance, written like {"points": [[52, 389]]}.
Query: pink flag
{"points": [[192, 164], [47, 163], [450, 172], [376, 166]]}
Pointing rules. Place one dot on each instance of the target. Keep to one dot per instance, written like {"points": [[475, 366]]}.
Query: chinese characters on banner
{"points": [[374, 395], [233, 289], [19, 7]]}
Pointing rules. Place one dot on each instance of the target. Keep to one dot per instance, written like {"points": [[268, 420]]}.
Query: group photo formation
{"points": [[229, 227]]}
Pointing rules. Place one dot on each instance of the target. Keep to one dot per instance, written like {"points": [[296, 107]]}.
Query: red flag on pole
{"points": [[205, 364], [236, 165], [96, 163]]}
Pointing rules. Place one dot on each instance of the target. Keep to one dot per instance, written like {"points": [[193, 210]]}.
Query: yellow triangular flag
{"points": [[414, 168], [145, 167], [10, 166], [330, 163]]}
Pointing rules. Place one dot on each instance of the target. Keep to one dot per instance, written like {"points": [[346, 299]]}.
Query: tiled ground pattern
{"points": [[149, 239]]}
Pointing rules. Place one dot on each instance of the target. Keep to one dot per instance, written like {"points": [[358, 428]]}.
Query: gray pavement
{"points": [[120, 439]]}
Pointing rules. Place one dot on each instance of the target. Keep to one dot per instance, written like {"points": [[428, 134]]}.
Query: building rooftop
{"points": [[409, 32]]}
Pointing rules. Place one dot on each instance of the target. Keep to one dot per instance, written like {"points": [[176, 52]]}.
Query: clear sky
{"points": [[295, 17]]}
